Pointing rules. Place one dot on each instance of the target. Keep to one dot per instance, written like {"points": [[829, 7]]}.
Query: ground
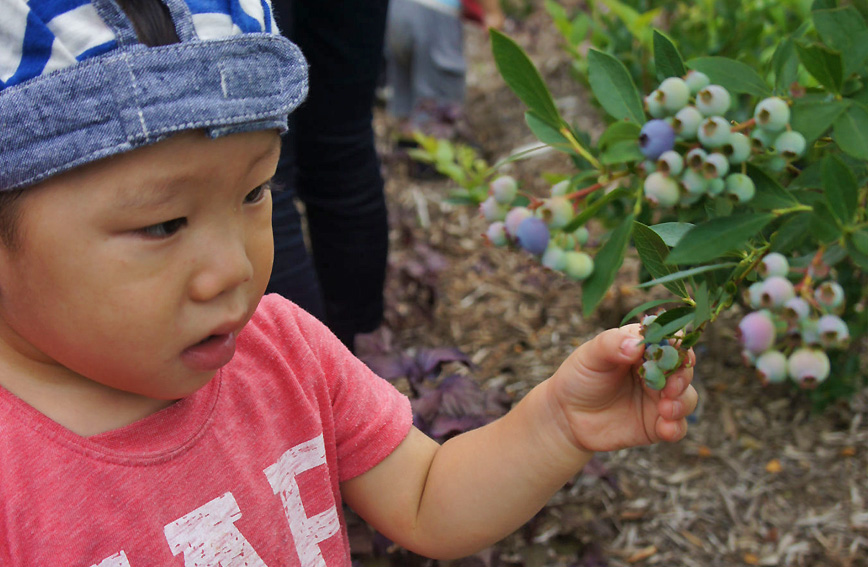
{"points": [[761, 479]]}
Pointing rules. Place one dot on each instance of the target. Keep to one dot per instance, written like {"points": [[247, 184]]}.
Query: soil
{"points": [[760, 479]]}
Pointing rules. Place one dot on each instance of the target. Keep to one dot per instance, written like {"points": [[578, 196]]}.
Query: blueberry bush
{"points": [[737, 185]]}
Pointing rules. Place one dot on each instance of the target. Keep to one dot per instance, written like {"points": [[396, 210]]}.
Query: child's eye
{"points": [[257, 194], [164, 229]]}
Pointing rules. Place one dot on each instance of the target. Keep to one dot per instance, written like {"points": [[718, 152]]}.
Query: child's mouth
{"points": [[211, 353]]}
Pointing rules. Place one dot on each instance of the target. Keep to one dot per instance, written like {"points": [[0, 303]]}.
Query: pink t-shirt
{"points": [[246, 471]]}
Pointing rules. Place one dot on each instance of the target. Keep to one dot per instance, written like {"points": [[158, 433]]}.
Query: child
{"points": [[154, 408]]}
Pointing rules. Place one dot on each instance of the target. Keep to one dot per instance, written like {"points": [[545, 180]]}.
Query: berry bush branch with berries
{"points": [[734, 187]]}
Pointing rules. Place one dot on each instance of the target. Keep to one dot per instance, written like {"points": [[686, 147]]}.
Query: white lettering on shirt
{"points": [[308, 532], [208, 537], [119, 559]]}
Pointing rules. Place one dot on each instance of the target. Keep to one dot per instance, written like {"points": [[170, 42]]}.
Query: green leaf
{"points": [[546, 133], [824, 226], [667, 59], [734, 76], [770, 194], [671, 232], [860, 240], [668, 323], [859, 258], [606, 264], [851, 131], [684, 274], [840, 188], [591, 210], [703, 307], [652, 252], [617, 132], [823, 64], [843, 29], [622, 151], [613, 87], [785, 63], [716, 237], [812, 118], [791, 233], [523, 78], [648, 305]]}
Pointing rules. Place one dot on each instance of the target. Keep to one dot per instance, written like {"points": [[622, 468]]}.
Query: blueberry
{"points": [[714, 132], [668, 358], [740, 187], [514, 218], [670, 163], [560, 188], [834, 332], [654, 377], [686, 122], [581, 235], [554, 258], [771, 367], [830, 295], [695, 158], [556, 212], [674, 94], [808, 367], [696, 81], [578, 265], [713, 100], [772, 114], [774, 264], [654, 105], [694, 183], [757, 332], [533, 235], [661, 190], [491, 210], [776, 291], [737, 149], [716, 165], [754, 295], [504, 189], [761, 140], [655, 138], [790, 145], [796, 310], [496, 234]]}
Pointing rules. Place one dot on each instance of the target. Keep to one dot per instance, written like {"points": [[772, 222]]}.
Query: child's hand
{"points": [[605, 406]]}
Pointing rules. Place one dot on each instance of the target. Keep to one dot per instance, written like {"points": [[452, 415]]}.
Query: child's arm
{"points": [[452, 500], [494, 17]]}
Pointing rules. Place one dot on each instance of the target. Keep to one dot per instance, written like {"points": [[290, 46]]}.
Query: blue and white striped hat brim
{"points": [[76, 85]]}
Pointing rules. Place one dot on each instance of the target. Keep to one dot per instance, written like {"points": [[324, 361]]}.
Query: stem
{"points": [[580, 149], [584, 192], [744, 125]]}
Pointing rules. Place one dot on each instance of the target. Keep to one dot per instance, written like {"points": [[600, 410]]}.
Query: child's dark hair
{"points": [[153, 24]]}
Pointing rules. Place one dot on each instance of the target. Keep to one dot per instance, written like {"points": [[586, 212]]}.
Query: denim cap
{"points": [[76, 85]]}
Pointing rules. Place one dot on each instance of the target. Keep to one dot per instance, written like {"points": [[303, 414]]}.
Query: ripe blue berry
{"points": [[771, 367], [790, 145], [491, 210], [696, 81], [514, 218], [830, 295], [714, 132], [686, 122], [774, 264], [776, 291], [737, 149], [496, 234], [713, 100], [654, 377], [716, 165], [578, 265], [740, 187], [834, 332], [670, 163], [661, 190], [556, 212], [772, 114], [673, 93], [655, 138], [533, 235], [757, 332], [808, 367], [504, 189]]}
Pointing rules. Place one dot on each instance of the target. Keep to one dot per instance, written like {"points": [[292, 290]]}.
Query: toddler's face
{"points": [[137, 272]]}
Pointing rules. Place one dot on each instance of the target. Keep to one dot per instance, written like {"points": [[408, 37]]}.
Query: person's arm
{"points": [[452, 500], [494, 17]]}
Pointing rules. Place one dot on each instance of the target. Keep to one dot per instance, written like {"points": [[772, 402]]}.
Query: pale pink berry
{"points": [[774, 264], [834, 332], [829, 295], [504, 189], [772, 367], [757, 332], [776, 291], [514, 218], [808, 367]]}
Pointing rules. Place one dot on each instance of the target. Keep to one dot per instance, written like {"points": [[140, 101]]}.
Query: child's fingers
{"points": [[678, 407], [612, 348], [671, 431]]}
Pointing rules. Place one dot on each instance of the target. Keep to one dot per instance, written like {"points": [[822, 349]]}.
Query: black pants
{"points": [[329, 161]]}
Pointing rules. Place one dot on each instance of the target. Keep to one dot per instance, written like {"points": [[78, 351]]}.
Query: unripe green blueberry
{"points": [[757, 332], [695, 158], [777, 164], [581, 235], [533, 235], [686, 123], [654, 105], [776, 291], [737, 149], [715, 165], [740, 187], [790, 145], [491, 210], [808, 367], [772, 114], [715, 187], [755, 295], [694, 183], [514, 218], [687, 200], [578, 265], [554, 258], [761, 140], [560, 188], [556, 212], [670, 163], [647, 320], [566, 241], [667, 358], [834, 332], [829, 295], [696, 81], [773, 264], [796, 310], [661, 190], [714, 132], [675, 93], [771, 367], [713, 100], [654, 377], [496, 234], [504, 189], [809, 330]]}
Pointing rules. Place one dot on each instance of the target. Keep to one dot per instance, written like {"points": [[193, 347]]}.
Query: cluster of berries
{"points": [[788, 333], [661, 360], [691, 111], [539, 231]]}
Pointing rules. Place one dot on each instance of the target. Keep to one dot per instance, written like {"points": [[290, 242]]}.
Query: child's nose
{"points": [[224, 264]]}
